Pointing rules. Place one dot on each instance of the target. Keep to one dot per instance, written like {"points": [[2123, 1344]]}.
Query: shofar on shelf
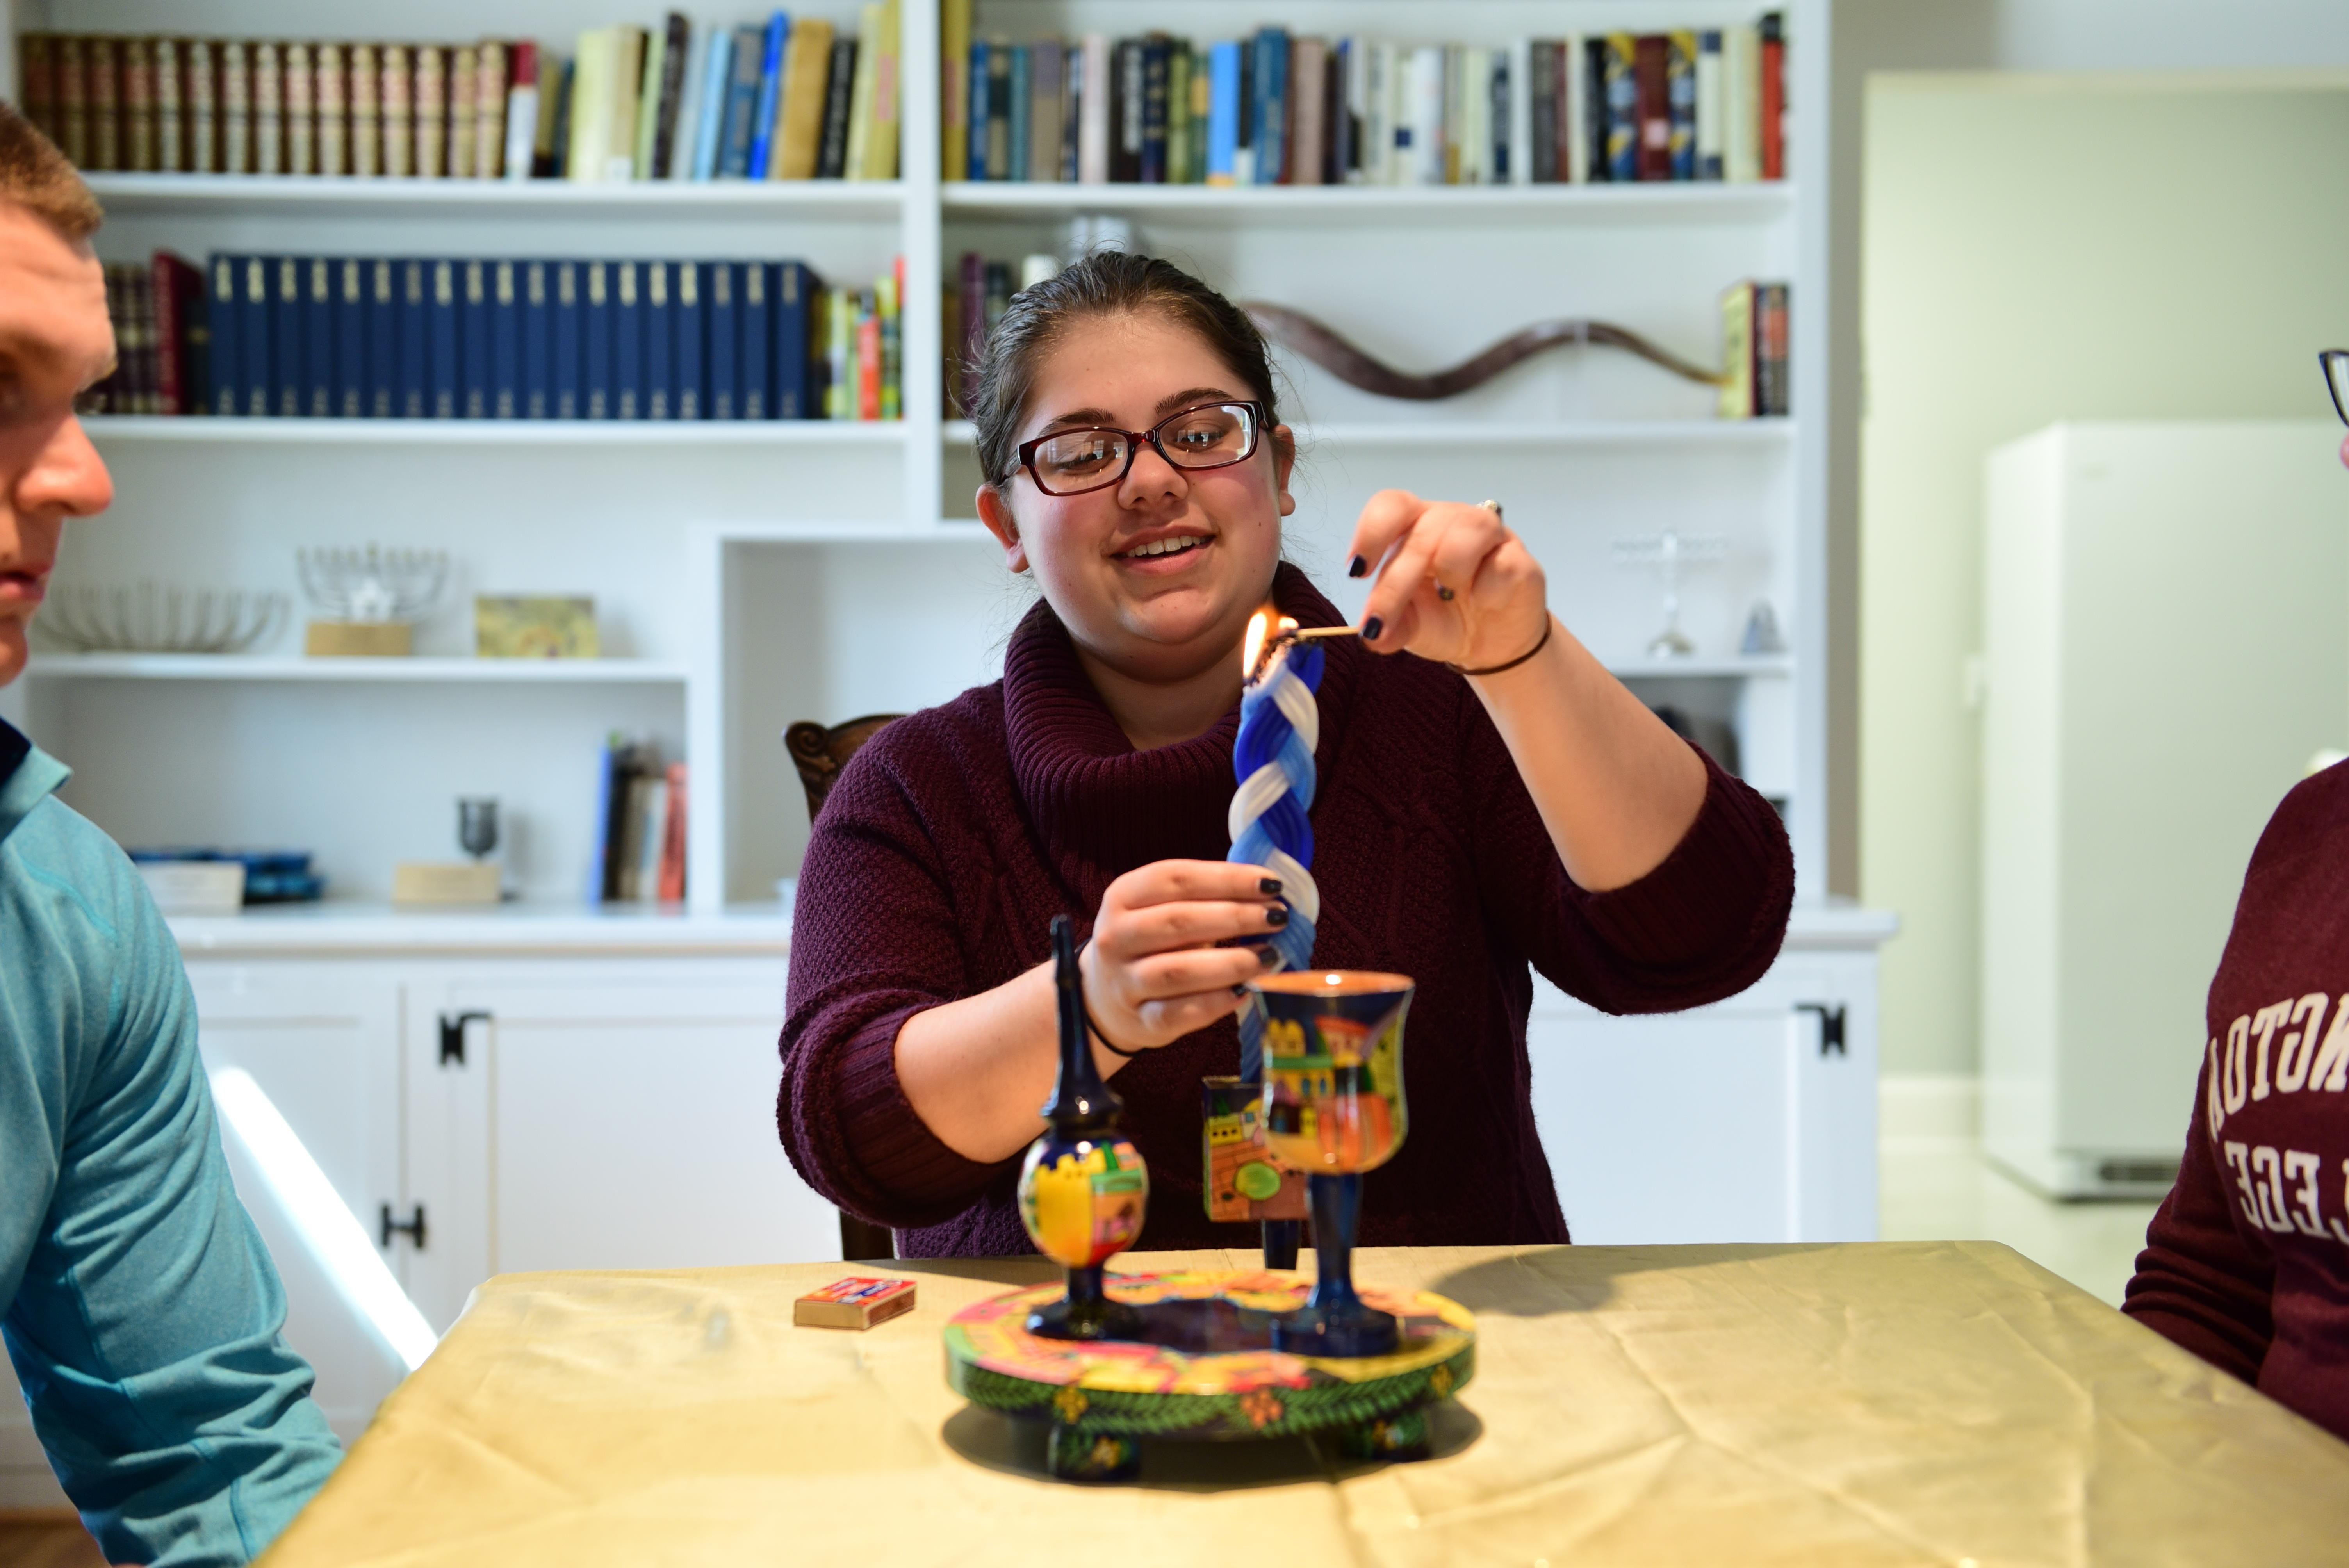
{"points": [[1296, 330]]}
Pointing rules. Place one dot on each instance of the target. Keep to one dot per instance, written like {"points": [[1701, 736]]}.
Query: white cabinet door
{"points": [[1749, 1120], [617, 1115], [322, 1043]]}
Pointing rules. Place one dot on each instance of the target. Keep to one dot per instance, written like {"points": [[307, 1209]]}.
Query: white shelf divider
{"points": [[248, 667], [875, 201], [1473, 432], [109, 428], [1210, 206]]}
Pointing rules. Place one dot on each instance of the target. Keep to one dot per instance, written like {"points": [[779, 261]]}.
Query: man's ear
{"points": [[996, 513], [1284, 461]]}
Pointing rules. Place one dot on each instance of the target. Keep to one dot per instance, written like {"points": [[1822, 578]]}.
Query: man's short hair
{"points": [[38, 178]]}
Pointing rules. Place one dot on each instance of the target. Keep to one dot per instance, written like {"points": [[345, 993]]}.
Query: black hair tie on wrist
{"points": [[1548, 621], [1096, 1028]]}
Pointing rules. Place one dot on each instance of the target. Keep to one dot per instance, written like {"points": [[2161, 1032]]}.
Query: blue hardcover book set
{"points": [[461, 338]]}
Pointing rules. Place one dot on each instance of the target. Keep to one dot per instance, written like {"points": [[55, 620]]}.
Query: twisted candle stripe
{"points": [[1280, 724]]}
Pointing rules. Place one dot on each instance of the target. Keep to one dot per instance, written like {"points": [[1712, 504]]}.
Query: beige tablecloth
{"points": [[1895, 1403]]}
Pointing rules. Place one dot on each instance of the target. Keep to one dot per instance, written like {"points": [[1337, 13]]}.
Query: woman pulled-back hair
{"points": [[1467, 825]]}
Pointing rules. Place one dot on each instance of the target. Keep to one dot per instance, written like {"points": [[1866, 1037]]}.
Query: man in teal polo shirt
{"points": [[136, 1302]]}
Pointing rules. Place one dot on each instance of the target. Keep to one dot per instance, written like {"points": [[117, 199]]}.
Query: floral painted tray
{"points": [[1206, 1371]]}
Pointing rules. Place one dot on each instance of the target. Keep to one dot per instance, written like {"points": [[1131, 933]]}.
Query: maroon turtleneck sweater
{"points": [[957, 833]]}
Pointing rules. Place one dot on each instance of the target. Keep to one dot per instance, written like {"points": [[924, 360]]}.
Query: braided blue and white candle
{"points": [[1280, 724]]}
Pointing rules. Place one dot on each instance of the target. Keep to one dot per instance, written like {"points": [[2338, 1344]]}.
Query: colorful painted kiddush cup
{"points": [[1083, 1187], [1333, 1108]]}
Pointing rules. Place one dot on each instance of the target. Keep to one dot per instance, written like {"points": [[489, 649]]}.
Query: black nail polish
{"points": [[1239, 990], [1277, 916], [1443, 594], [1357, 566], [1269, 885], [1269, 956], [1371, 628]]}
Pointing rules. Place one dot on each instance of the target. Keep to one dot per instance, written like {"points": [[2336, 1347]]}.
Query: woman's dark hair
{"points": [[1107, 283]]}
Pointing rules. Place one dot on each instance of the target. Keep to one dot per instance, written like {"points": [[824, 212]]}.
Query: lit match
{"points": [[1270, 631]]}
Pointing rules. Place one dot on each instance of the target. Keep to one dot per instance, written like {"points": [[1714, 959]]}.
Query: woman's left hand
{"points": [[1453, 583]]}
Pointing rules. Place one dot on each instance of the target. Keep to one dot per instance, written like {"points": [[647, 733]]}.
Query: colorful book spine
{"points": [[688, 337], [414, 336], [351, 323], [330, 93], [226, 315], [522, 101], [771, 47], [886, 113], [627, 340], [595, 341], [474, 342], [754, 320], [383, 339], [1151, 160], [1224, 111], [321, 336], [742, 101], [1049, 64], [1712, 105], [793, 294], [832, 160], [724, 339], [537, 376], [1771, 108], [1017, 129], [953, 88], [286, 362], [660, 332], [1680, 93], [1619, 61], [798, 128], [974, 108], [442, 365], [669, 131], [570, 345], [709, 135], [367, 111]]}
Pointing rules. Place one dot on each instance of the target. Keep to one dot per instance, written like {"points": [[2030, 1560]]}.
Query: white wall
{"points": [[2036, 249]]}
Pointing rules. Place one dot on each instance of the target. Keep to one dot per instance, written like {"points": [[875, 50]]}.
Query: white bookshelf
{"points": [[751, 574]]}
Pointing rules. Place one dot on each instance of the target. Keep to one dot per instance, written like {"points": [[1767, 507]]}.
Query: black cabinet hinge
{"points": [[1830, 1026], [452, 1035], [411, 1227]]}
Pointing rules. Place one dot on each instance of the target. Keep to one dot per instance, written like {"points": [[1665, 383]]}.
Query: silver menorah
{"points": [[1667, 553], [373, 585]]}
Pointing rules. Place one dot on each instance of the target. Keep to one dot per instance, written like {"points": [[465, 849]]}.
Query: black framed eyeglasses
{"points": [[1095, 456], [2335, 362]]}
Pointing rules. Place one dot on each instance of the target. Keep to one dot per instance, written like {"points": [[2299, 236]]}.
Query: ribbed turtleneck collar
{"points": [[1100, 807]]}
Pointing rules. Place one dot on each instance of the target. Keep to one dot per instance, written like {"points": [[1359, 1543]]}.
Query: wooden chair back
{"points": [[819, 751]]}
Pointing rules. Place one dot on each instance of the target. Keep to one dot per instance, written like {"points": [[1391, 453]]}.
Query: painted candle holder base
{"points": [[1205, 1370], [1080, 1453], [1400, 1437], [1084, 1320]]}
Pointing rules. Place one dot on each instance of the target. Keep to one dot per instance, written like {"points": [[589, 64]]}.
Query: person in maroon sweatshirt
{"points": [[1527, 810], [2246, 1263]]}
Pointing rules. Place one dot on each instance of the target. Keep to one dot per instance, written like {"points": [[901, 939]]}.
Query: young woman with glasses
{"points": [[1494, 800], [2246, 1263]]}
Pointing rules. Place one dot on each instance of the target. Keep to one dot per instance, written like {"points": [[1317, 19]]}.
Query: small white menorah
{"points": [[1668, 552], [373, 585]]}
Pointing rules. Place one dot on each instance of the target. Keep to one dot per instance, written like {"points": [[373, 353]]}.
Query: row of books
{"points": [[1280, 109], [639, 845], [773, 100], [450, 338]]}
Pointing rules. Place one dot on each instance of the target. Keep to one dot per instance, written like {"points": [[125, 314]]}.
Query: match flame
{"points": [[1259, 631]]}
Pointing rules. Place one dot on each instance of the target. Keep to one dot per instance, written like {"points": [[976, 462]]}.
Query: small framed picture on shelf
{"points": [[534, 626]]}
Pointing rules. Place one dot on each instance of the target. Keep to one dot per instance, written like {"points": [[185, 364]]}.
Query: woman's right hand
{"points": [[1153, 972]]}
